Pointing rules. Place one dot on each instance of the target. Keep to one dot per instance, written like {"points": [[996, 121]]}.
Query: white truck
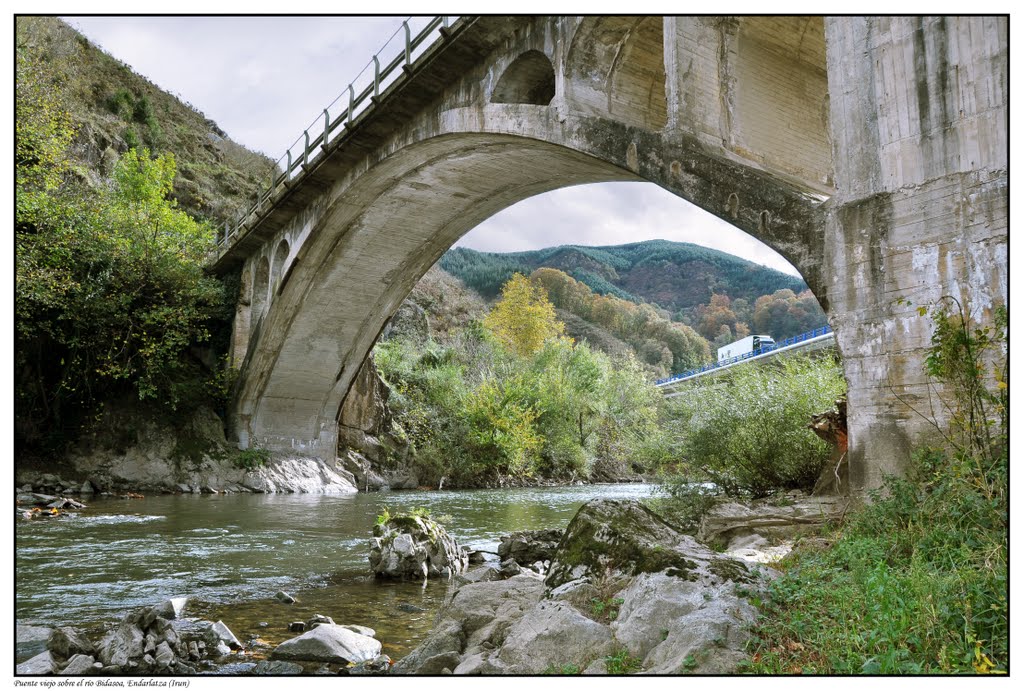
{"points": [[744, 346]]}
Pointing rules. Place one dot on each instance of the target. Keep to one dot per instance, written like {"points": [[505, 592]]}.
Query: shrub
{"points": [[253, 457], [621, 663], [750, 435], [122, 104], [687, 502]]}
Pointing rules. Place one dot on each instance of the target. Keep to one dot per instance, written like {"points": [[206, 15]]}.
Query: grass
{"points": [[606, 610], [621, 663], [914, 584]]}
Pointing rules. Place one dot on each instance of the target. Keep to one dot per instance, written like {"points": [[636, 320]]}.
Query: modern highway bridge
{"points": [[810, 341]]}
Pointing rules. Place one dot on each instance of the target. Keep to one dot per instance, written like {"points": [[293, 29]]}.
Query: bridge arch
{"points": [[278, 267], [758, 155], [394, 219]]}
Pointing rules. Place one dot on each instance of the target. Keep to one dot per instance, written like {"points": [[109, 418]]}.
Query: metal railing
{"points": [[787, 343], [305, 150]]}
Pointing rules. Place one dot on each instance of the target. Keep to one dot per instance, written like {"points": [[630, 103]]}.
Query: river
{"points": [[231, 553]]}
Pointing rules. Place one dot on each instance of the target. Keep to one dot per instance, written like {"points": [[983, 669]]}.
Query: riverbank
{"points": [[621, 591]]}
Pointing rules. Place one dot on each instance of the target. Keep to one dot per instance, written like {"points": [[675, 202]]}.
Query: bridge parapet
{"points": [[306, 152]]}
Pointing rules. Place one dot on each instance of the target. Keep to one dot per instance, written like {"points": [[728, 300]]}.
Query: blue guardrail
{"points": [[792, 340]]}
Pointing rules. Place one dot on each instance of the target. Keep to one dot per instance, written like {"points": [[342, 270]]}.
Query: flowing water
{"points": [[231, 553]]}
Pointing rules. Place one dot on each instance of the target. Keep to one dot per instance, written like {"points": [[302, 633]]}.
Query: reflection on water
{"points": [[231, 553]]}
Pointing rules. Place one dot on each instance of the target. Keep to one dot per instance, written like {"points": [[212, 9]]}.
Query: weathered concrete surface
{"points": [[919, 109], [869, 152]]}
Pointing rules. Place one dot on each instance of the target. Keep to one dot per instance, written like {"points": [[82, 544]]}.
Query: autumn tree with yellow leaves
{"points": [[523, 319]]}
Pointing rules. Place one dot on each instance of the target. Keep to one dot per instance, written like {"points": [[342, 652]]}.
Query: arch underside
{"points": [[362, 262]]}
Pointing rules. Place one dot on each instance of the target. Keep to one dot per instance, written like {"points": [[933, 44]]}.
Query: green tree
{"points": [[524, 318], [110, 290]]}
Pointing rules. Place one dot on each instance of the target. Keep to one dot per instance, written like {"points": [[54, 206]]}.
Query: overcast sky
{"points": [[263, 87]]}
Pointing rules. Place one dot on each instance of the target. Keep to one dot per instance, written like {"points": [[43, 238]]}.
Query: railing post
{"points": [[444, 20], [376, 77], [327, 128], [408, 42], [305, 151], [351, 103], [288, 170]]}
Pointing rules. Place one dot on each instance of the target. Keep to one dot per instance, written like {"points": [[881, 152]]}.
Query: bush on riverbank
{"points": [[917, 582], [749, 435], [476, 411], [110, 292]]}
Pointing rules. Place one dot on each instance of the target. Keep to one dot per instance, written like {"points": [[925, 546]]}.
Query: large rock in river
{"points": [[667, 601], [409, 546], [529, 546], [329, 643]]}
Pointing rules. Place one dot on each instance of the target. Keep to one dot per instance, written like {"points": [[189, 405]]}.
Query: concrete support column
{"points": [[694, 89], [919, 129]]}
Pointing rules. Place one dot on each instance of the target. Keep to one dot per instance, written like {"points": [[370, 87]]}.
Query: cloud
{"points": [[613, 213]]}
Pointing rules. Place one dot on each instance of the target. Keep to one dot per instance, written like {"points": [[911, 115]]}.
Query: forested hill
{"points": [[112, 109], [675, 276]]}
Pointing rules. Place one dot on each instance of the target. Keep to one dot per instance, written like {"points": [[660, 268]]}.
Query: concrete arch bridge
{"points": [[870, 152]]}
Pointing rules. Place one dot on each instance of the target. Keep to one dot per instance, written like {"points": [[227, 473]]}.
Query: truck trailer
{"points": [[744, 346]]}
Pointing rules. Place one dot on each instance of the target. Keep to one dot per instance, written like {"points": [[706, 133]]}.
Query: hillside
{"points": [[721, 296], [672, 275], [113, 109]]}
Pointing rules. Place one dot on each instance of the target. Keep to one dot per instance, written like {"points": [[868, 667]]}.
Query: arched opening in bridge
{"points": [[529, 79], [779, 93]]}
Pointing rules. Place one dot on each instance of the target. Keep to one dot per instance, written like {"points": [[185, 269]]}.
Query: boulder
{"points": [[30, 640], [663, 621], [121, 645], [378, 665], [284, 597], [171, 608], [164, 655], [43, 663], [529, 546], [276, 667], [621, 539], [329, 643], [509, 568], [361, 630], [776, 517], [478, 616], [409, 546], [552, 634], [222, 634], [79, 665], [66, 642], [317, 620], [487, 572]]}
